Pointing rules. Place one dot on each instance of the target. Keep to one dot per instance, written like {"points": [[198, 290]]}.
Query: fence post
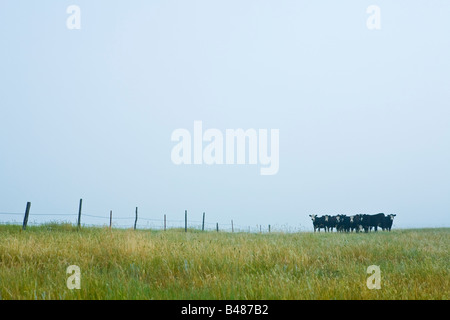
{"points": [[25, 218], [232, 228], [110, 219], [217, 227], [269, 228], [79, 214], [135, 221], [185, 220], [203, 222], [164, 222]]}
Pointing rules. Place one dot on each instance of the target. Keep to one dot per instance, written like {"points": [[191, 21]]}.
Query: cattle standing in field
{"points": [[318, 222], [348, 224], [356, 223], [387, 222], [372, 221]]}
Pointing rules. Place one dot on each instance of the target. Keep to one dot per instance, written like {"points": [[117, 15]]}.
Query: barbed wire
{"points": [[10, 213], [157, 223]]}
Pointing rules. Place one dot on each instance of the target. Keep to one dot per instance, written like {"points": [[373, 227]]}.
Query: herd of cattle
{"points": [[356, 223]]}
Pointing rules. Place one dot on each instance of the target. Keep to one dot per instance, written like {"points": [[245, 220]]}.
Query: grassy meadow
{"points": [[146, 264]]}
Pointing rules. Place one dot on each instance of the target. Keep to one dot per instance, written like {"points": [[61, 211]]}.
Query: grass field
{"points": [[144, 264]]}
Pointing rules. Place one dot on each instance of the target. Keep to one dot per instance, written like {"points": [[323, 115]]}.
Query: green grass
{"points": [[144, 264]]}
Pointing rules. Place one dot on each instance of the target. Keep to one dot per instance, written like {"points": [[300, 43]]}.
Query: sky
{"points": [[363, 115]]}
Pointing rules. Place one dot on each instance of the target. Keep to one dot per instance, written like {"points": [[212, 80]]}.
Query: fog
{"points": [[362, 114]]}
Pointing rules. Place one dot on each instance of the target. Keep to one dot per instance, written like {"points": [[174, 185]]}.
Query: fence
{"points": [[135, 222]]}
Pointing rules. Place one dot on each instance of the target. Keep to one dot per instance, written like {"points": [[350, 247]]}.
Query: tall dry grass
{"points": [[128, 264]]}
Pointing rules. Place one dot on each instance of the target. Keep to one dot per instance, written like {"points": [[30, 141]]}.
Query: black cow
{"points": [[318, 222], [372, 221], [330, 223], [355, 222], [341, 222], [387, 222]]}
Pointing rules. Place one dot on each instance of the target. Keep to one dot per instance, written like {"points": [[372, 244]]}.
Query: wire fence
{"points": [[132, 222]]}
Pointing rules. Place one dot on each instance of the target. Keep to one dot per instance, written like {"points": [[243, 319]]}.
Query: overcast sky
{"points": [[363, 115]]}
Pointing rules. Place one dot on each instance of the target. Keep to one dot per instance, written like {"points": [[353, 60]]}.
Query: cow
{"points": [[387, 222], [340, 222], [343, 223], [330, 223], [318, 222], [374, 220], [355, 222]]}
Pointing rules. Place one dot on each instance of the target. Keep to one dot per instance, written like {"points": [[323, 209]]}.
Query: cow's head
{"points": [[352, 218], [391, 216], [326, 218], [313, 217], [338, 218]]}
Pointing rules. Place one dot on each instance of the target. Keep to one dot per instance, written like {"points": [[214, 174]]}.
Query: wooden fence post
{"points": [[217, 227], [203, 222], [232, 228], [269, 228], [164, 222], [25, 218], [135, 221], [79, 213], [185, 220], [110, 219]]}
